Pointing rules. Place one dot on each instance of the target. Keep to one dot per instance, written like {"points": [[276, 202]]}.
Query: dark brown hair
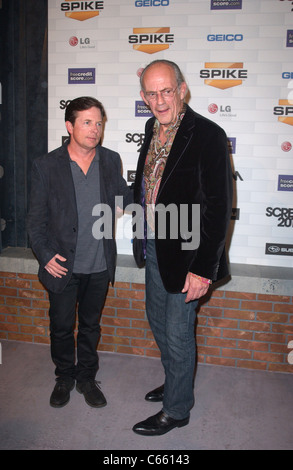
{"points": [[81, 104]]}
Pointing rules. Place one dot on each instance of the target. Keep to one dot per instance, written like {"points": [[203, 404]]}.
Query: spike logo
{"points": [[82, 11], [284, 111], [151, 40], [223, 75]]}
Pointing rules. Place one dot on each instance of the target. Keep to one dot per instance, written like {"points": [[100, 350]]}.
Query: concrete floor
{"points": [[234, 409]]}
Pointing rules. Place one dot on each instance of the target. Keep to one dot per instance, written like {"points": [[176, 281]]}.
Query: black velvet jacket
{"points": [[197, 171]]}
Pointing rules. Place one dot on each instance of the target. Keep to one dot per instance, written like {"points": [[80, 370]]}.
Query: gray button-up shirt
{"points": [[89, 257]]}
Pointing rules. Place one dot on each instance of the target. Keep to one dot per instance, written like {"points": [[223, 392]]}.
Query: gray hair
{"points": [[178, 74]]}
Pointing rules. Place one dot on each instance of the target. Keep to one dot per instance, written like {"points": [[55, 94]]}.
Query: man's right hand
{"points": [[54, 268]]}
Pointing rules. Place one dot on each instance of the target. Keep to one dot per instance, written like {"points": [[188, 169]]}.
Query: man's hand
{"points": [[194, 288], [54, 268], [119, 211]]}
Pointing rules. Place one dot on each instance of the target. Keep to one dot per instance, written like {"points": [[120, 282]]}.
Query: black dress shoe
{"points": [[92, 394], [159, 424], [155, 395], [61, 393]]}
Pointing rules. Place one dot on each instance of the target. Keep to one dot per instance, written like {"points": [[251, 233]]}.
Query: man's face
{"points": [[87, 129], [158, 78]]}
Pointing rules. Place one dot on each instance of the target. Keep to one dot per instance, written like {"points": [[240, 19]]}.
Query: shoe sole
{"points": [[89, 403], [154, 396], [153, 400], [160, 433], [62, 404], [59, 406]]}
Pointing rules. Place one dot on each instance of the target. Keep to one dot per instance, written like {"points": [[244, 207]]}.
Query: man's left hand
{"points": [[194, 288]]}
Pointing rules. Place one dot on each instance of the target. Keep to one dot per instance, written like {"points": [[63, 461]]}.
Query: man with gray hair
{"points": [[183, 162]]}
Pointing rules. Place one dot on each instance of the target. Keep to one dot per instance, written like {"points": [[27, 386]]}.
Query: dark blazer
{"points": [[52, 220], [197, 171]]}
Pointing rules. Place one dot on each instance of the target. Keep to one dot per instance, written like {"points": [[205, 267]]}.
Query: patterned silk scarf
{"points": [[155, 164]]}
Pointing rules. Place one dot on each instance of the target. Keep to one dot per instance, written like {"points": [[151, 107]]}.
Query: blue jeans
{"points": [[172, 323]]}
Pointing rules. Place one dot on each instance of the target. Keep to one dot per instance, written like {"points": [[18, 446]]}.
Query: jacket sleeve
{"points": [[216, 204], [123, 189], [37, 218]]}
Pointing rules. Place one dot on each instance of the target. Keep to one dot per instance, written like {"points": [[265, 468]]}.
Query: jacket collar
{"points": [[183, 137]]}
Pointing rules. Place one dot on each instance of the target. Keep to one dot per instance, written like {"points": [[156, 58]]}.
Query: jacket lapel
{"points": [[66, 175], [180, 144], [142, 158], [105, 179]]}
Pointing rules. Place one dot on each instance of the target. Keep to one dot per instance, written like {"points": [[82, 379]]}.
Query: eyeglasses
{"points": [[167, 93]]}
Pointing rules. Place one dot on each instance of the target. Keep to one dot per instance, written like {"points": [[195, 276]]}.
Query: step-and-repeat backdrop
{"points": [[236, 56]]}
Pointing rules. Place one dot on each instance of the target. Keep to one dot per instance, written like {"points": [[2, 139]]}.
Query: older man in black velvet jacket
{"points": [[76, 264], [184, 163]]}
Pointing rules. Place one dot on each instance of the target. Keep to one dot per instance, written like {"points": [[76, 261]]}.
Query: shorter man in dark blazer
{"points": [[76, 262], [183, 164]]}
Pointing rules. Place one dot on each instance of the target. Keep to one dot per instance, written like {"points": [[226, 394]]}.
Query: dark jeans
{"points": [[172, 323], [89, 291]]}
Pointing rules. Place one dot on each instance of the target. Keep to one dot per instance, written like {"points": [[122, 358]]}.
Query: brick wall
{"points": [[233, 328]]}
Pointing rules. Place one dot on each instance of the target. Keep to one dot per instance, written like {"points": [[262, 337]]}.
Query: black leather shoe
{"points": [[92, 394], [61, 393], [155, 395], [159, 424]]}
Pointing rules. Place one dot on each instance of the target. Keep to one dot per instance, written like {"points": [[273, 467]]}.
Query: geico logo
{"points": [[225, 37], [225, 73], [152, 3], [287, 75], [81, 6]]}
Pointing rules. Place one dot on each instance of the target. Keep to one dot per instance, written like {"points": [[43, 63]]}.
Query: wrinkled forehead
{"points": [[159, 76]]}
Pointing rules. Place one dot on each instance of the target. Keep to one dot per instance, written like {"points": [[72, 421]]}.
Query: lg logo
{"points": [[74, 41]]}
